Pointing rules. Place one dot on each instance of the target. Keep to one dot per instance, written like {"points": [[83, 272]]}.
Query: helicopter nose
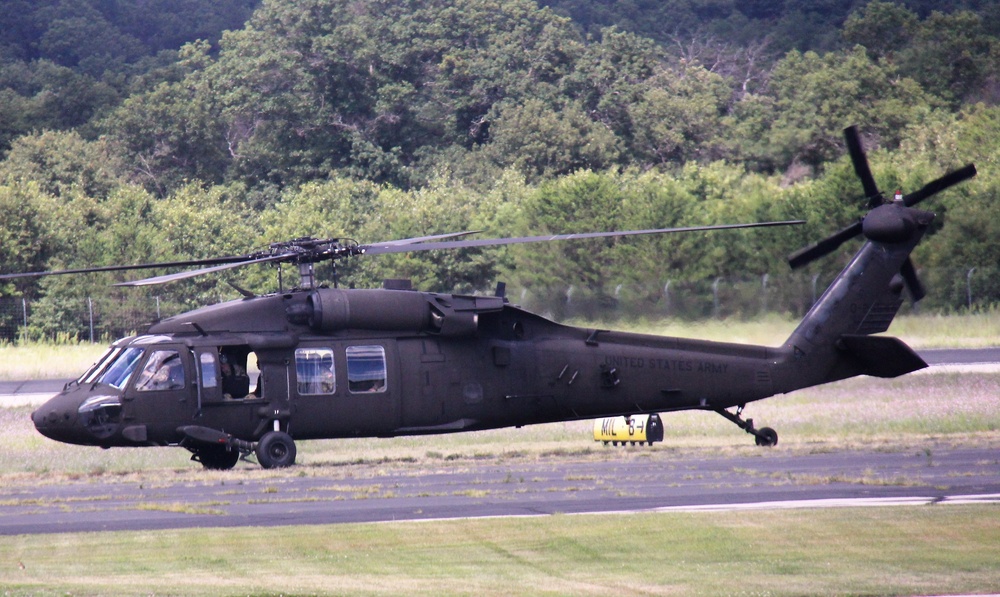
{"points": [[56, 421], [78, 418]]}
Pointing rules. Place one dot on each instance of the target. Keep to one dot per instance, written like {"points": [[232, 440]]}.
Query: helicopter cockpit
{"points": [[89, 409], [143, 387]]}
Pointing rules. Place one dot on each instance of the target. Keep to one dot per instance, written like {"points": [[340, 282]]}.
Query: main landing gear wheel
{"points": [[276, 450], [765, 436], [218, 458]]}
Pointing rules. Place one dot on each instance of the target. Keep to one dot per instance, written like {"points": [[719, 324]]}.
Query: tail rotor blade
{"points": [[825, 246], [936, 186], [861, 168]]}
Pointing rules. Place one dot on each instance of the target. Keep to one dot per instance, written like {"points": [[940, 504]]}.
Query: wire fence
{"points": [[101, 319]]}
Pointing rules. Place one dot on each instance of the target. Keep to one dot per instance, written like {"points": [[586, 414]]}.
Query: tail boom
{"points": [[833, 340]]}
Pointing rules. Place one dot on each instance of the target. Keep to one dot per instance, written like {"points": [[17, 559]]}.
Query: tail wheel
{"points": [[276, 450]]}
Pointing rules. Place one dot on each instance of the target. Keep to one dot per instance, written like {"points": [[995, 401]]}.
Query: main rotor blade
{"points": [[420, 239], [119, 268], [861, 168], [936, 186], [825, 246], [197, 272], [383, 248]]}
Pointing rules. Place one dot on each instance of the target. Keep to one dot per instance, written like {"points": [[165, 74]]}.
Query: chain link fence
{"points": [[102, 319]]}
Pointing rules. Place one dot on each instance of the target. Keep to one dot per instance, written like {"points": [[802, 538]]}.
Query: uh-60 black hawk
{"points": [[337, 363]]}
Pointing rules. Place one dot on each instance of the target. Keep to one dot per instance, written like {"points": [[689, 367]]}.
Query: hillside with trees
{"points": [[139, 132]]}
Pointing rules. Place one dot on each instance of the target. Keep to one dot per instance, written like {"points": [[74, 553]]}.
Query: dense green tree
{"points": [[611, 75], [28, 234], [815, 97], [43, 95], [64, 63], [680, 118], [385, 120], [951, 55], [172, 134], [542, 141], [883, 28], [333, 86], [62, 163]]}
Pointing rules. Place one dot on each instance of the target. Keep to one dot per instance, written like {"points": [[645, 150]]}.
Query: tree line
{"points": [[379, 120]]}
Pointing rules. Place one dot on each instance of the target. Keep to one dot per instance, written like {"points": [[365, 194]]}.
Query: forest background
{"points": [[136, 131]]}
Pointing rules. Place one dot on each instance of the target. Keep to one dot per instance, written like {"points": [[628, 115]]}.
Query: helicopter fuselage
{"points": [[442, 363]]}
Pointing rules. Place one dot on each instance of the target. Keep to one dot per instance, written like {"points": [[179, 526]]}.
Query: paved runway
{"points": [[613, 480]]}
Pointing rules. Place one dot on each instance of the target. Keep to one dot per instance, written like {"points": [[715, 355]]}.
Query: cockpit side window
{"points": [[164, 370], [234, 378]]}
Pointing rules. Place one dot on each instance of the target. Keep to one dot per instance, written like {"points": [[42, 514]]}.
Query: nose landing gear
{"points": [[765, 436]]}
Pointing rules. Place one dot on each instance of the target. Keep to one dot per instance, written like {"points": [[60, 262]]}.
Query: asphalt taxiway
{"points": [[616, 480]]}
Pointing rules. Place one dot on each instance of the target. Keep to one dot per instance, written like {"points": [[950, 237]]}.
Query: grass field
{"points": [[882, 551]]}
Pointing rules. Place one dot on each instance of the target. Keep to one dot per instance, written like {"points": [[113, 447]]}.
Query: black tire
{"points": [[217, 458], [767, 437], [276, 450]]}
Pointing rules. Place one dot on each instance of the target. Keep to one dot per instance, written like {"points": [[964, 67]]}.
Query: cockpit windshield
{"points": [[121, 368], [99, 365]]}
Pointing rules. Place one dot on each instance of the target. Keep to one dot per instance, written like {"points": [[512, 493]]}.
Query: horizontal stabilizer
{"points": [[881, 356]]}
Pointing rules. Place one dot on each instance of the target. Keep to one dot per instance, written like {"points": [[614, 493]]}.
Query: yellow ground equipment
{"points": [[636, 429]]}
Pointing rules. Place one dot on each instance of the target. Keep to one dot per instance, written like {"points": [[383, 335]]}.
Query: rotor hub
{"points": [[893, 223]]}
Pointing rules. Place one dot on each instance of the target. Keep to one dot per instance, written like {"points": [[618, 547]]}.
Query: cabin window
{"points": [[366, 369], [164, 370], [209, 370], [314, 371]]}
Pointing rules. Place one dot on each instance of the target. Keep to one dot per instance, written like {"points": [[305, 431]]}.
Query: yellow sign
{"points": [[633, 429]]}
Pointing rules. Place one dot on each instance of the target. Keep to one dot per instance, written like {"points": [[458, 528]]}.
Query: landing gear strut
{"points": [[765, 436]]}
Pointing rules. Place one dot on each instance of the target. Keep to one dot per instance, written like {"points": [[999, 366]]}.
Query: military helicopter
{"points": [[336, 363]]}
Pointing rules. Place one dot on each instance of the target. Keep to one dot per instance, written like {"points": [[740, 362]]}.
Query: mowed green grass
{"points": [[878, 551]]}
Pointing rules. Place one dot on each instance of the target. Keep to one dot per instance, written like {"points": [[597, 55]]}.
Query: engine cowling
{"points": [[333, 309]]}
